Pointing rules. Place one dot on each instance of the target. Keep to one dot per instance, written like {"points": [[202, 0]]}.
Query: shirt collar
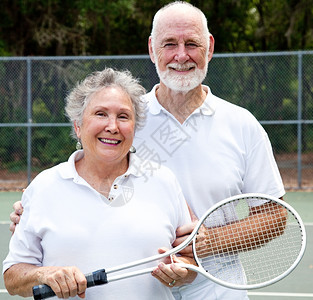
{"points": [[207, 108], [137, 167], [153, 104], [67, 169]]}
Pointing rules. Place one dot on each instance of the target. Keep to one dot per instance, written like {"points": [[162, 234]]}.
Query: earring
{"points": [[78, 145], [132, 149]]}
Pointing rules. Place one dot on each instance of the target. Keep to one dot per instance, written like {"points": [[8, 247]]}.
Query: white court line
{"points": [[308, 223], [3, 291], [304, 295], [5, 222]]}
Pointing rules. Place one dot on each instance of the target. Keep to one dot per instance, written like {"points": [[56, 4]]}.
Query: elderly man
{"points": [[216, 149]]}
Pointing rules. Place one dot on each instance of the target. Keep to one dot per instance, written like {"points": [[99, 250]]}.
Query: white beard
{"points": [[182, 83]]}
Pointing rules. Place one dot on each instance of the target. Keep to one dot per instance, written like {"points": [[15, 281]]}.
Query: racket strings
{"points": [[241, 247]]}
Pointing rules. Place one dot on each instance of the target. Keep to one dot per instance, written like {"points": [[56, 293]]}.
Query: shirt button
{"points": [[115, 186]]}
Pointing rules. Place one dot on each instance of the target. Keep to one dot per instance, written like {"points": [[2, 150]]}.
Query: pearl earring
{"points": [[78, 145], [132, 149]]}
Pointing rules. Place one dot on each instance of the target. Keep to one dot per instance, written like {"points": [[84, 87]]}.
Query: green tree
{"points": [[101, 27], [284, 24]]}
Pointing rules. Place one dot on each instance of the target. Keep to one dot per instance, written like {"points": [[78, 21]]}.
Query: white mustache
{"points": [[181, 67]]}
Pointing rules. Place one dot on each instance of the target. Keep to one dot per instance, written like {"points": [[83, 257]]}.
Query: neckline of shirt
{"points": [[207, 108]]}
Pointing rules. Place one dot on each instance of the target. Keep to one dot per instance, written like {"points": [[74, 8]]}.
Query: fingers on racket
{"points": [[43, 291], [250, 241]]}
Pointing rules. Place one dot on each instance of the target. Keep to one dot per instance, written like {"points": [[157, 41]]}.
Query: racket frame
{"points": [[260, 196]]}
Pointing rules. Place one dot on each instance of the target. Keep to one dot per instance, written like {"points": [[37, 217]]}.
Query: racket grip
{"points": [[44, 291]]}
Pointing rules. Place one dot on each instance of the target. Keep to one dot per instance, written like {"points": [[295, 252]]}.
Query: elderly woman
{"points": [[122, 208]]}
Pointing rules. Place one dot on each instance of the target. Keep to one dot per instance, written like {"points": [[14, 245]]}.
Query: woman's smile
{"points": [[110, 141]]}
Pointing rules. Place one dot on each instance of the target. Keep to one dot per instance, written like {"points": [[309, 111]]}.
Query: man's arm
{"points": [[264, 223], [265, 218]]}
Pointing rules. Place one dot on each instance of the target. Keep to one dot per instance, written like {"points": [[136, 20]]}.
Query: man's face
{"points": [[180, 51]]}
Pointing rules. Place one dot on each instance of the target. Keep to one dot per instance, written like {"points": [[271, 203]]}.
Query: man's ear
{"points": [[211, 48], [151, 50]]}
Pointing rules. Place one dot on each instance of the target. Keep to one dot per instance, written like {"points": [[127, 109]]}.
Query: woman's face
{"points": [[108, 126]]}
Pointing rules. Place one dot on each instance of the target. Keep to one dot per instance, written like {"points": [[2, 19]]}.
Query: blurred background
{"points": [[263, 61]]}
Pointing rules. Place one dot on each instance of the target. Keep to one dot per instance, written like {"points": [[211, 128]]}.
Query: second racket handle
{"points": [[44, 291]]}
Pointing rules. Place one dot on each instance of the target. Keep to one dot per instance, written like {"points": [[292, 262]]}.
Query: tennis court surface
{"points": [[297, 286]]}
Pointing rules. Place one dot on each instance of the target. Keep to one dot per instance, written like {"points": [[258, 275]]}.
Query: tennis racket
{"points": [[243, 242]]}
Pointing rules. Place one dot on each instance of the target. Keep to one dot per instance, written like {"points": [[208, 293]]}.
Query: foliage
{"points": [[265, 86], [100, 27]]}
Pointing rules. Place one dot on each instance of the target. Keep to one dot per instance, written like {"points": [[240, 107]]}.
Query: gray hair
{"points": [[181, 4], [79, 97]]}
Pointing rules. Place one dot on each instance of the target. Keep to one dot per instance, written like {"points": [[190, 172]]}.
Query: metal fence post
{"points": [[29, 120], [299, 129]]}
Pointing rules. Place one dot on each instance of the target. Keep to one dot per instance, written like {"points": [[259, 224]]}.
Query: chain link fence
{"points": [[35, 134]]}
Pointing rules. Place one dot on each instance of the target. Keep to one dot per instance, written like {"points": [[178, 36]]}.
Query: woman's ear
{"points": [[77, 129]]}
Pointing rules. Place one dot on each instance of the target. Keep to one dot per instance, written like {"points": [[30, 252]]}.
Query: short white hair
{"points": [[183, 4], [79, 97]]}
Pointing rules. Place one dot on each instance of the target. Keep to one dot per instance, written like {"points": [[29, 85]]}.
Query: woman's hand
{"points": [[171, 274], [65, 281]]}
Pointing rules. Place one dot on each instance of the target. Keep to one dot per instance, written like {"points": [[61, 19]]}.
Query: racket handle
{"points": [[44, 291]]}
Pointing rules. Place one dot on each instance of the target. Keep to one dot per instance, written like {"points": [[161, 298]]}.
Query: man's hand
{"points": [[183, 232], [16, 215]]}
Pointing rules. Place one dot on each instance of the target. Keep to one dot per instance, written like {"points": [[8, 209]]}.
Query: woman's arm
{"points": [[64, 281]]}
